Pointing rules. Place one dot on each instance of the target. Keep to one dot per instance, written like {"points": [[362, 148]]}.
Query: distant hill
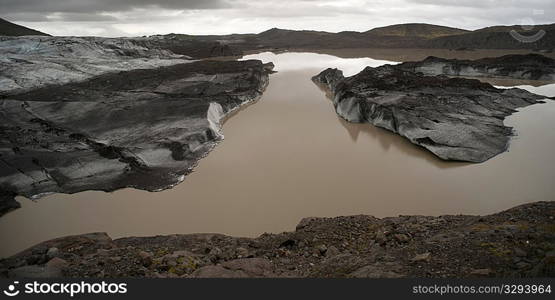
{"points": [[520, 28], [425, 36], [413, 35], [285, 38], [497, 37], [11, 29], [279, 33], [419, 30]]}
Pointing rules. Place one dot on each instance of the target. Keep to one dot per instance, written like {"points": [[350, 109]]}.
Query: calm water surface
{"points": [[289, 156]]}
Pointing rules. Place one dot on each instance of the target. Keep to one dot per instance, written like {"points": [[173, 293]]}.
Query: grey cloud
{"points": [[487, 3], [460, 3], [60, 17], [141, 17], [24, 17], [94, 6], [80, 17]]}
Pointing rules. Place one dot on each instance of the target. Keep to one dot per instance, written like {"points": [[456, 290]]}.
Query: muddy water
{"points": [[289, 156]]}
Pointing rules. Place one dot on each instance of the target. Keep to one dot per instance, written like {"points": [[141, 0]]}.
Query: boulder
{"points": [[384, 270], [238, 268]]}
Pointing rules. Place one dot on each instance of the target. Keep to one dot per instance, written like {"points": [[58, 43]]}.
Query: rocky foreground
{"points": [[519, 242], [145, 127], [454, 118], [528, 67]]}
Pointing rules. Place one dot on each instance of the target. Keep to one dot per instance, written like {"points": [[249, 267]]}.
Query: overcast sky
{"points": [[146, 17]]}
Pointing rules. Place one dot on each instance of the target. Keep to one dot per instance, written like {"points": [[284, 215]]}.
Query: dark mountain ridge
{"points": [[413, 35], [416, 30], [10, 29]]}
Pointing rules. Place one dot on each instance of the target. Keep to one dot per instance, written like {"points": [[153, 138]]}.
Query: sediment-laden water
{"points": [[290, 156]]}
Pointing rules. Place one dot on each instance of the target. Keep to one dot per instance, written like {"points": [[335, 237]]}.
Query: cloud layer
{"points": [[145, 17]]}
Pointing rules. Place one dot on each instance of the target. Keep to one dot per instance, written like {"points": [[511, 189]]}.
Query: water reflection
{"points": [[296, 61], [420, 54], [387, 139]]}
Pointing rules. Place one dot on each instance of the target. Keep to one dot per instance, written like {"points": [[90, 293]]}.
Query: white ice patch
{"points": [[30, 62], [214, 116]]}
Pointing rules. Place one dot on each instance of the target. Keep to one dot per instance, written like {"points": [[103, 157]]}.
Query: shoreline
{"points": [[109, 204], [166, 169], [518, 242]]}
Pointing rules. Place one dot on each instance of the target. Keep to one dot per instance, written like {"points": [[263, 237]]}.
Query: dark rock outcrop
{"points": [[194, 47], [32, 62], [530, 67], [10, 29], [519, 242], [144, 128], [454, 118]]}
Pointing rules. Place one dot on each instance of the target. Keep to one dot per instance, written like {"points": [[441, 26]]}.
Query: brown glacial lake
{"points": [[290, 156]]}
